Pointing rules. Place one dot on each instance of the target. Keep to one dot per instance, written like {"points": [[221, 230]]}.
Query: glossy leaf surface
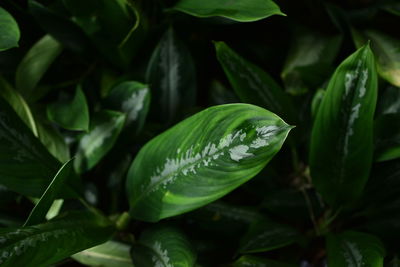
{"points": [[163, 246], [342, 135], [242, 10], [202, 158], [252, 84], [9, 31], [67, 234], [354, 249], [109, 254], [71, 115]]}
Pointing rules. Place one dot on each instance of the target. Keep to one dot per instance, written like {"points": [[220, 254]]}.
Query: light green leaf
{"points": [[241, 10], [171, 76], [50, 242], [342, 135], [252, 84], [164, 247], [93, 146], [35, 64], [354, 249], [202, 159], [72, 114], [133, 99], [109, 254], [387, 52], [252, 261], [38, 214], [9, 31]]}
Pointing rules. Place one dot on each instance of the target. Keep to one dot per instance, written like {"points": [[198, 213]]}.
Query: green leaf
{"points": [[389, 101], [50, 242], [38, 214], [266, 235], [133, 99], [252, 261], [354, 249], [252, 84], [242, 10], [171, 76], [316, 102], [9, 31], [387, 51], [342, 135], [93, 146], [202, 159], [392, 6], [109, 254], [163, 246], [387, 137], [72, 114], [35, 64]]}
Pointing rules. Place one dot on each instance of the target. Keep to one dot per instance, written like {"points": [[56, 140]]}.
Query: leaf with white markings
{"points": [[342, 135], [354, 249], [164, 247], [202, 159], [9, 31]]}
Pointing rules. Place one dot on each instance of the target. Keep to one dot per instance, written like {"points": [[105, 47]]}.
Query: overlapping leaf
{"points": [[9, 30]]}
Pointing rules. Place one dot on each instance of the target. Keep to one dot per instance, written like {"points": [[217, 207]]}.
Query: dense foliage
{"points": [[199, 133]]}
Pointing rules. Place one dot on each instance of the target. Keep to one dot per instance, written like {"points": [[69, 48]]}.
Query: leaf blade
{"points": [[9, 31]]}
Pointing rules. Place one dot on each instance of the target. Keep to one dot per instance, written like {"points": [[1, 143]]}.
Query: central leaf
{"points": [[202, 158]]}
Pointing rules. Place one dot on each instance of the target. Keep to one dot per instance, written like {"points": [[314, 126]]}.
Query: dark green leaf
{"points": [[316, 102], [387, 137], [389, 101], [38, 214], [354, 249], [133, 99], [163, 246], [171, 76], [72, 114], [252, 84], [242, 10], [109, 254], [220, 95], [252, 261], [202, 158], [387, 51], [342, 135], [93, 146], [35, 64], [9, 31], [50, 242], [392, 6]]}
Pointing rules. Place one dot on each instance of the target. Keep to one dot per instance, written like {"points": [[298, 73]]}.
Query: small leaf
{"points": [[252, 261], [171, 76], [242, 10], [342, 135], [9, 31], [265, 235], [164, 247], [48, 243], [252, 84], [71, 115], [133, 99], [109, 254], [38, 214], [35, 64], [93, 146], [354, 249], [387, 51], [202, 159]]}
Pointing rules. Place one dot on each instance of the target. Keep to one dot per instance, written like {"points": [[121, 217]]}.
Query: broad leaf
{"points": [[342, 135], [35, 64], [266, 235], [38, 214], [252, 261], [171, 76], [72, 114], [354, 249], [50, 242], [109, 254], [202, 159], [242, 10], [9, 31], [93, 146], [163, 246], [387, 51], [133, 99], [252, 84]]}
